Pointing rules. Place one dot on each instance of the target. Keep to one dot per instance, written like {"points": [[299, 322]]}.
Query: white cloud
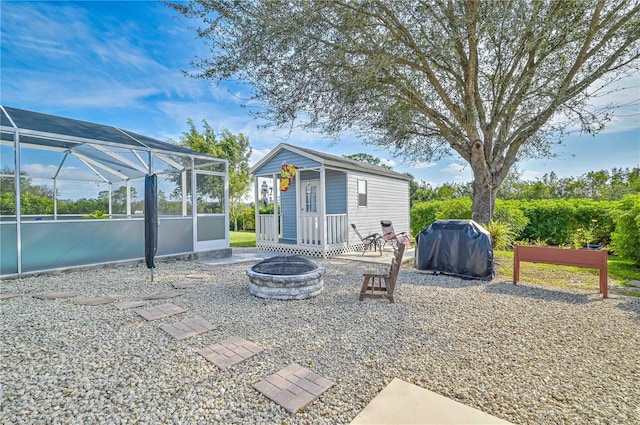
{"points": [[423, 165], [257, 155], [531, 175], [454, 167], [39, 170], [391, 163]]}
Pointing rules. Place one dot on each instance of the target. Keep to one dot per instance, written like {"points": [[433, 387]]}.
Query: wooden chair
{"points": [[372, 240], [389, 236], [382, 284]]}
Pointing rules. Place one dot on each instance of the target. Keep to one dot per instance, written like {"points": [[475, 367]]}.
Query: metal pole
{"points": [[55, 199], [16, 157], [110, 198], [151, 173]]}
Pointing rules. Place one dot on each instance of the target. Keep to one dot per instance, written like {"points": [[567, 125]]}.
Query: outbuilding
{"points": [[305, 201], [73, 195]]}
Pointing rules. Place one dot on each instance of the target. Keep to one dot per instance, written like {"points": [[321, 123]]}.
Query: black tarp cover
{"points": [[150, 220], [456, 247]]}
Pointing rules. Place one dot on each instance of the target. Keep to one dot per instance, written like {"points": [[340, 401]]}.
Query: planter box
{"points": [[563, 257]]}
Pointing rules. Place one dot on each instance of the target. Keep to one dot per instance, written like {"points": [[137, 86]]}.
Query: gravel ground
{"points": [[527, 354]]}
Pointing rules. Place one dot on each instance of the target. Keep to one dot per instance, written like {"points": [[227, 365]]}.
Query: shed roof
{"points": [[86, 139], [329, 160]]}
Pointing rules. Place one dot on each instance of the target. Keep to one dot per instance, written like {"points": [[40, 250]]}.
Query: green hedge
{"points": [[554, 222], [626, 237], [425, 213]]}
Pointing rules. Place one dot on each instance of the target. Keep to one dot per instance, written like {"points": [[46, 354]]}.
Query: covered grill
{"points": [[456, 247]]}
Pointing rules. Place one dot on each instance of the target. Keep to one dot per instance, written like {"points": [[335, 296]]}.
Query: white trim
{"points": [[277, 150]]}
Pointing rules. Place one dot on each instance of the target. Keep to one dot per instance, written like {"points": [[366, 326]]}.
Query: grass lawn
{"points": [[246, 239]]}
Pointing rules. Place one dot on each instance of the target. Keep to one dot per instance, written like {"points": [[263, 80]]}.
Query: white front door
{"points": [[309, 223]]}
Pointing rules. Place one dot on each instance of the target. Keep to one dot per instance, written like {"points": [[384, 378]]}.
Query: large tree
{"points": [[235, 149], [486, 79]]}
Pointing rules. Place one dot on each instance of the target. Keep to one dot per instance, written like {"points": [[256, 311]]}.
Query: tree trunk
{"points": [[484, 186], [484, 200]]}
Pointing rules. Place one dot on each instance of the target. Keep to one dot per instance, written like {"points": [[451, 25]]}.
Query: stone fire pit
{"points": [[286, 277]]}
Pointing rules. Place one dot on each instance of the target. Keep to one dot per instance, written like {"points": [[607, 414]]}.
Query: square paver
{"points": [[94, 300], [161, 295], [160, 311], [187, 328], [56, 295], [129, 304], [184, 285], [8, 295], [230, 352], [293, 387]]}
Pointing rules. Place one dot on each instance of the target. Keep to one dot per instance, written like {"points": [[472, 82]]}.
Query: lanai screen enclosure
{"points": [[72, 194]]}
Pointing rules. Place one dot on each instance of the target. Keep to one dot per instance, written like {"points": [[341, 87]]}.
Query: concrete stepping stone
{"points": [[403, 403], [184, 285], [187, 328], [9, 295], [293, 387], [94, 300], [198, 276], [230, 352], [129, 304], [160, 311], [56, 295], [161, 295]]}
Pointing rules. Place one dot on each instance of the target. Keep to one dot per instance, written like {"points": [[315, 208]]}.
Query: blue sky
{"points": [[121, 63]]}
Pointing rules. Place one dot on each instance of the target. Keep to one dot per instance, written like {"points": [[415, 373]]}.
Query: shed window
{"points": [[362, 193]]}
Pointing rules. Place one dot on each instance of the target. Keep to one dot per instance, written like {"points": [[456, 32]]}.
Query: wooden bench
{"points": [[378, 284], [587, 258]]}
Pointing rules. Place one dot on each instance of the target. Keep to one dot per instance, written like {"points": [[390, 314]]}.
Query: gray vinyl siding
{"points": [[336, 193], [387, 199]]}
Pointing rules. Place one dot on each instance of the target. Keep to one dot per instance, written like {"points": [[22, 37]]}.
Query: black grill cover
{"points": [[457, 247], [150, 219]]}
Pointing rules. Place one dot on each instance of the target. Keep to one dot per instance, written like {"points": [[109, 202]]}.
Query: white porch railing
{"points": [[311, 231], [265, 228], [337, 231]]}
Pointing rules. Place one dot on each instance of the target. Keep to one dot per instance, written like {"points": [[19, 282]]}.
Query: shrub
{"points": [[423, 214], [626, 237], [560, 222], [595, 219], [509, 212], [502, 236], [550, 220], [459, 208], [248, 219]]}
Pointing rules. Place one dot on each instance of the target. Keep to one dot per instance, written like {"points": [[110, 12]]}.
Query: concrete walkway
{"points": [[245, 255]]}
